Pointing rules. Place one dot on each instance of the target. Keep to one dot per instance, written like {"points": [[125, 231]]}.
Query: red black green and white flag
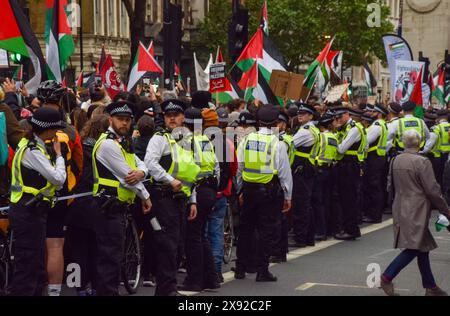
{"points": [[249, 82], [231, 90], [371, 82], [102, 60], [18, 74], [265, 19], [317, 66], [58, 39], [151, 49], [262, 50], [143, 63], [16, 36], [80, 80], [439, 86], [334, 62]]}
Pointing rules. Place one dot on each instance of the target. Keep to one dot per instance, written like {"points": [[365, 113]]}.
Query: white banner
{"points": [[4, 62]]}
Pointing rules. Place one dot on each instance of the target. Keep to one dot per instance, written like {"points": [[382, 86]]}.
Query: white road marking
{"points": [[307, 286]]}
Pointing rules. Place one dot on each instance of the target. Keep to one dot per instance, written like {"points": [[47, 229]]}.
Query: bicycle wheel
{"points": [[131, 266], [228, 236], [5, 264]]}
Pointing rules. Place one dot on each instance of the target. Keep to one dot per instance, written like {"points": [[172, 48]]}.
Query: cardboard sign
{"points": [[336, 93], [217, 75], [4, 60], [287, 85]]}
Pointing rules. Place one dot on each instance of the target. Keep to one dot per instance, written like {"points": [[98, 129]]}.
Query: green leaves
{"points": [[299, 27]]}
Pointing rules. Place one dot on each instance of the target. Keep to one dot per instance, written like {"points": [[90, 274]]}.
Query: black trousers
{"points": [[374, 189], [322, 200], [259, 212], [302, 209], [169, 212], [440, 174], [200, 262], [348, 180], [280, 236], [110, 241], [28, 225], [334, 222]]}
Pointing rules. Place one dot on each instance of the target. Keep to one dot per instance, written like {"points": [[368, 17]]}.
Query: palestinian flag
{"points": [[80, 80], [370, 79], [417, 96], [219, 56], [264, 19], [58, 39], [263, 51], [249, 82], [334, 62], [151, 49], [102, 60], [316, 66], [18, 74], [16, 36], [439, 83], [143, 62]]}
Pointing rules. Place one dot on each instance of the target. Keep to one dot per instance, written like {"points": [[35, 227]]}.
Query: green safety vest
{"points": [[123, 194], [407, 123], [312, 155], [328, 149], [183, 166], [444, 129], [436, 151], [359, 153], [18, 188], [289, 141], [259, 158], [381, 145], [204, 155]]}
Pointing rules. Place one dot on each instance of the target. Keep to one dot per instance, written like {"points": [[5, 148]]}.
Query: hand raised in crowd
{"points": [[241, 200], [176, 185], [9, 85], [146, 206], [192, 212], [57, 147], [134, 177], [179, 87], [138, 89], [152, 94], [24, 92], [286, 206]]}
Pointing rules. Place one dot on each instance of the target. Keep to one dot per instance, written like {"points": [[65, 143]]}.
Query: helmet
{"points": [[50, 92]]}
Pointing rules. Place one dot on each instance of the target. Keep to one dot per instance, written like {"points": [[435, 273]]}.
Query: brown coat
{"points": [[14, 132], [416, 193]]}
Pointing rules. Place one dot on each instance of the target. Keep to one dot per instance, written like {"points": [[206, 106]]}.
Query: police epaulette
{"points": [[376, 123], [280, 137], [110, 135], [352, 124], [32, 144], [306, 127]]}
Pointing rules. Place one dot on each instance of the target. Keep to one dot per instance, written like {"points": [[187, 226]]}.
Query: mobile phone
{"points": [[19, 85], [98, 81], [146, 81]]}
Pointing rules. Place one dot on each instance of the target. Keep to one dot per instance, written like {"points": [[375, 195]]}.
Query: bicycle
{"points": [[132, 260], [5, 253], [228, 235]]}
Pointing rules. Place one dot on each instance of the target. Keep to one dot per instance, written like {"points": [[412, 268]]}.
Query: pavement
{"points": [[336, 268]]}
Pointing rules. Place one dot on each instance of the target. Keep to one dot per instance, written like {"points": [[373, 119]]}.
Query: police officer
{"points": [[306, 144], [351, 154], [434, 153], [263, 178], [325, 221], [35, 179], [443, 128], [406, 123], [281, 244], [118, 173], [376, 164], [201, 272], [174, 172]]}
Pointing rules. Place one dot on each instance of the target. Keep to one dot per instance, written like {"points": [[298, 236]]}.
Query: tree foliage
{"points": [[301, 28]]}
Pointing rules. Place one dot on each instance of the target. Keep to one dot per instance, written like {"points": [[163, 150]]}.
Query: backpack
{"points": [[3, 140]]}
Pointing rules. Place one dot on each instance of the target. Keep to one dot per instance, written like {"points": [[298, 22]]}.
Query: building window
{"points": [[98, 17], [111, 18], [124, 26]]}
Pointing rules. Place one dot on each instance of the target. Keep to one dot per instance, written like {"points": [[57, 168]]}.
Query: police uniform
{"points": [[406, 123], [374, 180], [263, 178], [306, 145], [113, 158], [326, 158], [35, 179], [281, 232], [201, 271], [443, 128], [351, 154], [166, 161]]}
